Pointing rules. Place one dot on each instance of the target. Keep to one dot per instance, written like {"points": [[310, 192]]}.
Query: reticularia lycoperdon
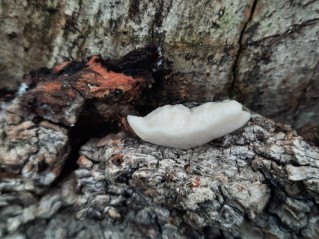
{"points": [[180, 127]]}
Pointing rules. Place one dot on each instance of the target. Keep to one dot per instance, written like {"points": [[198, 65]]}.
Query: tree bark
{"points": [[261, 52], [58, 181], [68, 170]]}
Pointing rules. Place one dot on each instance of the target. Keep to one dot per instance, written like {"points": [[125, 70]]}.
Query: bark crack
{"points": [[292, 29], [240, 49]]}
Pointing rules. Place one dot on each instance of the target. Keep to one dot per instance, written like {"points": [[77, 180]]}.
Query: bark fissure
{"points": [[261, 180], [240, 49], [157, 22], [293, 29]]}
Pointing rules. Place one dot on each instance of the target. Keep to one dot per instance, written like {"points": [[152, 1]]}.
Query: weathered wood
{"points": [[61, 95], [31, 149], [262, 52], [280, 44], [260, 181], [39, 127]]}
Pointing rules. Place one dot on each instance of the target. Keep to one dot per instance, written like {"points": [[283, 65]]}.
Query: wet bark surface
{"points": [[66, 175]]}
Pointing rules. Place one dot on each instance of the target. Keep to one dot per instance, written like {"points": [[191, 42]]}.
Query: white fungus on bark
{"points": [[180, 127]]}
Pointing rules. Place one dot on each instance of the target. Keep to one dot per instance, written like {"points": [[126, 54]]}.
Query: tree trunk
{"points": [[264, 53], [68, 170]]}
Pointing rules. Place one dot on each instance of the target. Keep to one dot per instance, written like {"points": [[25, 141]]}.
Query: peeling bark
{"points": [[36, 126]]}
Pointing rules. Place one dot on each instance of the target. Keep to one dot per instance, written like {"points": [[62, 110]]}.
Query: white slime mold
{"points": [[180, 127]]}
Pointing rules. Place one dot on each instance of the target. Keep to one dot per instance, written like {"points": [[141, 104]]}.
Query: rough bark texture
{"points": [[280, 44], [63, 102], [263, 52], [59, 180], [261, 181], [67, 170]]}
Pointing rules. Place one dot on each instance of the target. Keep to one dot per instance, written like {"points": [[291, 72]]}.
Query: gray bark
{"points": [[260, 181], [262, 52]]}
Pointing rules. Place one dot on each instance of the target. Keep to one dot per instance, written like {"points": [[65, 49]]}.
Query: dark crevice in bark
{"points": [[78, 136], [240, 49], [157, 37], [145, 62], [5, 98], [6, 95]]}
